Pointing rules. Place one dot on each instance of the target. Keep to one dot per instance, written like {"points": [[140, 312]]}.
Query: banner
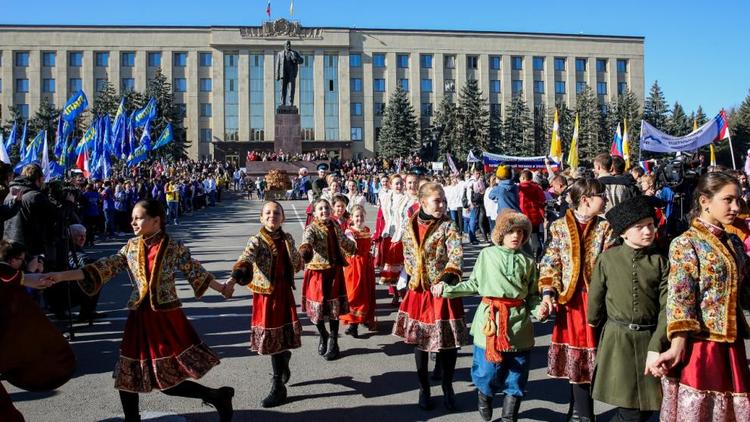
{"points": [[471, 158], [145, 114], [437, 166], [492, 161], [454, 169], [75, 106], [652, 139]]}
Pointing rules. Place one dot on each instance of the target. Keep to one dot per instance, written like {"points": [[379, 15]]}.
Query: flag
{"points": [[145, 114], [107, 136], [83, 163], [146, 137], [45, 158], [555, 148], [32, 150], [723, 126], [131, 136], [59, 137], [268, 9], [291, 8], [89, 137], [626, 144], [119, 128], [70, 153], [452, 165], [712, 161], [166, 137], [11, 137], [573, 153], [75, 106], [22, 149], [616, 148], [3, 152]]}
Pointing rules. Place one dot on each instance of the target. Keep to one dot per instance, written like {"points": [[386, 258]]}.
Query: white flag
{"points": [[45, 159], [291, 8], [3, 152]]}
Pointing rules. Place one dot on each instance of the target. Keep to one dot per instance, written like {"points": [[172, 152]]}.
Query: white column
{"points": [[570, 83], [269, 96], [34, 74], [506, 84], [217, 93], [61, 78], [319, 87], [549, 82], [243, 82], [192, 118]]}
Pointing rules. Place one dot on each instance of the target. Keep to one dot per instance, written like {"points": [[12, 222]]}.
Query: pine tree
{"points": [[518, 130], [444, 126], [105, 102], [45, 119], [473, 120], [542, 130], [739, 124], [679, 125], [398, 135], [161, 89], [655, 108], [17, 118], [590, 142], [700, 116], [496, 134]]}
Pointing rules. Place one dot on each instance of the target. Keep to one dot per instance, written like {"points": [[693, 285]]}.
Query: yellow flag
{"points": [[573, 153], [713, 154], [626, 145], [695, 125], [555, 148]]}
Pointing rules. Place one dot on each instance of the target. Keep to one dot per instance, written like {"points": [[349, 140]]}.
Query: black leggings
{"points": [[582, 401], [187, 389], [625, 414], [446, 359]]}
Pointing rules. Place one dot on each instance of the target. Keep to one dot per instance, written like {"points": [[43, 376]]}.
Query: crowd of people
{"points": [[641, 302]]}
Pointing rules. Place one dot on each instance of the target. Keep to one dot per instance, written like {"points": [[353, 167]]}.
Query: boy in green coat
{"points": [[506, 278], [627, 294]]}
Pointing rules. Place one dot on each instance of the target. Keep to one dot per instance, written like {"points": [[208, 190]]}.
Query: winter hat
{"points": [[508, 221], [629, 212], [503, 172]]}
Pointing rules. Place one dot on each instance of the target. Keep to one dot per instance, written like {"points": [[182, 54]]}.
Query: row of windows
{"points": [[101, 59], [100, 84]]}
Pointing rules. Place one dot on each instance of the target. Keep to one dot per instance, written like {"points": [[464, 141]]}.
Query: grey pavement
{"points": [[374, 380]]}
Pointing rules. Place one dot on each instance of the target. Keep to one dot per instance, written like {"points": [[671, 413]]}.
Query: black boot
{"points": [[130, 406], [447, 360], [485, 406], [323, 344], [333, 349], [285, 372], [511, 404], [277, 396], [353, 330], [221, 400], [422, 359], [449, 397], [425, 400], [437, 373]]}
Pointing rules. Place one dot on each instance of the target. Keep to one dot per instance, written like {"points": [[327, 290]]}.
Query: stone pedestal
{"points": [[288, 135]]}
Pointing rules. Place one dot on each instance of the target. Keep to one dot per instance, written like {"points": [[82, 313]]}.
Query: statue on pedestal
{"points": [[287, 64]]}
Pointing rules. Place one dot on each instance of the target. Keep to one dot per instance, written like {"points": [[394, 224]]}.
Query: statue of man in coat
{"points": [[287, 64]]}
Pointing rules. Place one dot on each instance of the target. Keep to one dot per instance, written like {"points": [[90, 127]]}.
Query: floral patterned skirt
{"points": [[159, 350], [431, 323], [275, 327], [324, 294], [573, 347]]}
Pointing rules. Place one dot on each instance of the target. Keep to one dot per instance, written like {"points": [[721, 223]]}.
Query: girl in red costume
{"points": [[360, 276]]}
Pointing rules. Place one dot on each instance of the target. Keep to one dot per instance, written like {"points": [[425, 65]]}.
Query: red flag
{"points": [[83, 163]]}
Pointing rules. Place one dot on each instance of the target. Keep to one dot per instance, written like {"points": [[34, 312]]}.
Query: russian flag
{"points": [[268, 9], [616, 148], [83, 163], [721, 121]]}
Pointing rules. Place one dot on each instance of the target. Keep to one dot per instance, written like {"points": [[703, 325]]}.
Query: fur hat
{"points": [[629, 212], [508, 221], [503, 172]]}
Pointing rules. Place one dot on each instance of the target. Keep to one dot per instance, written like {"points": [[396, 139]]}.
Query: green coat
{"points": [[628, 285], [507, 273]]}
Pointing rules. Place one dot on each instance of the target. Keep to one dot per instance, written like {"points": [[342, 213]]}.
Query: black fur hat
{"points": [[629, 212]]}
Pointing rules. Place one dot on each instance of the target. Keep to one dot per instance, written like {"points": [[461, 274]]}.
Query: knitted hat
{"points": [[508, 221], [629, 212], [503, 172]]}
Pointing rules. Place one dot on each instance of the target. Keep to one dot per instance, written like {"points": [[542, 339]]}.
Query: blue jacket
{"points": [[505, 194]]}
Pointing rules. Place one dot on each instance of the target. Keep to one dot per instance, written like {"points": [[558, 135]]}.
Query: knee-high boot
{"points": [[277, 395], [422, 360], [323, 344], [219, 398], [447, 359], [333, 342], [130, 406]]}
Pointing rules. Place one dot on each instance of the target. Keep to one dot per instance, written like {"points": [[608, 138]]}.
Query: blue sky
{"points": [[699, 51]]}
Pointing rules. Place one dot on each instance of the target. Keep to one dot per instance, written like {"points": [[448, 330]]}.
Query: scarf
{"points": [[496, 333]]}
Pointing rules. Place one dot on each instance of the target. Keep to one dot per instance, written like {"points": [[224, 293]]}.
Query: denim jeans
{"points": [[508, 376], [473, 223], [174, 207], [110, 221], [458, 219]]}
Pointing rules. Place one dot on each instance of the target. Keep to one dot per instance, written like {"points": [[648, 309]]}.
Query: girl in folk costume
{"points": [[318, 186], [324, 249], [360, 276], [354, 195], [267, 267], [381, 243], [394, 212], [707, 377], [506, 278], [432, 254], [340, 215], [564, 273], [333, 189], [160, 349]]}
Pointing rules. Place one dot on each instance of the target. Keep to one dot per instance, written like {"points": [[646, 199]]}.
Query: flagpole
{"points": [[731, 149]]}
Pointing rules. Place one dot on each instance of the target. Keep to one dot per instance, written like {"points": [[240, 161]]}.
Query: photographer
{"points": [[31, 226]]}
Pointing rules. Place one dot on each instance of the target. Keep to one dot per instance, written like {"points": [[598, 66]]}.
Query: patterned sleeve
{"points": [[194, 272], [550, 267], [682, 288], [455, 250], [308, 236], [104, 269], [348, 246], [294, 256], [242, 269]]}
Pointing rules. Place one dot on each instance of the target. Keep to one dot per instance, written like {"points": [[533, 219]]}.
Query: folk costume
{"points": [[394, 214], [564, 271], [502, 329], [359, 276], [324, 247], [432, 254], [381, 243], [706, 281], [267, 267], [160, 349]]}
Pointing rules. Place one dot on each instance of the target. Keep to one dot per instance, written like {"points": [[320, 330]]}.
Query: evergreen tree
{"points": [[161, 89], [17, 118], [105, 102], [45, 119], [444, 126], [496, 134], [473, 120], [655, 108], [542, 130], [700, 117], [739, 124], [566, 119], [590, 142], [679, 125], [518, 130], [398, 135]]}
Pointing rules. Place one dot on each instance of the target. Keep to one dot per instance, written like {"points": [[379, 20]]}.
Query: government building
{"points": [[223, 77]]}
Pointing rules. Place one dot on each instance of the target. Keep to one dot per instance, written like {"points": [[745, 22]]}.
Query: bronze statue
{"points": [[287, 63]]}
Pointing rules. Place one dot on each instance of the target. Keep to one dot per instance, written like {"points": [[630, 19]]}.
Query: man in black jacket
{"points": [[31, 226]]}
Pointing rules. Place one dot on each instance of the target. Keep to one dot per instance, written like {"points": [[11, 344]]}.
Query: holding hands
{"points": [[547, 306], [437, 289], [658, 365]]}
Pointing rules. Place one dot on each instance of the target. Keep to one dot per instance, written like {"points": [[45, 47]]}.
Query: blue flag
{"points": [[145, 114], [11, 138], [146, 136], [22, 148], [132, 140], [166, 137], [59, 137], [107, 136], [35, 147], [119, 128], [75, 106], [70, 153], [88, 138]]}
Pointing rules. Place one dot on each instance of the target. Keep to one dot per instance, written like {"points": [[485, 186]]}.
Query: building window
{"points": [[74, 84], [378, 60], [450, 62], [356, 84], [128, 84], [402, 61], [516, 63], [622, 65], [48, 59], [426, 61], [516, 86], [495, 86], [205, 59], [154, 59], [538, 63], [601, 88], [379, 109], [75, 59], [580, 65], [100, 84], [102, 58], [22, 59], [206, 84], [601, 65], [1, 85], [378, 85], [232, 98], [257, 95], [23, 109], [539, 87], [179, 59], [495, 62], [472, 62], [495, 110], [22, 85], [356, 133], [181, 109], [559, 87], [48, 85], [580, 87], [426, 85], [127, 59], [450, 85], [206, 135], [404, 84], [560, 64], [426, 109], [356, 109], [355, 60], [180, 84], [206, 110], [622, 87]]}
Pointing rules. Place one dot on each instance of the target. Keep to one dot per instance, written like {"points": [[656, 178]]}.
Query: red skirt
{"points": [[377, 237], [573, 347], [431, 323], [160, 349], [324, 294], [713, 384], [381, 248], [360, 288], [309, 212], [393, 263], [275, 327]]}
